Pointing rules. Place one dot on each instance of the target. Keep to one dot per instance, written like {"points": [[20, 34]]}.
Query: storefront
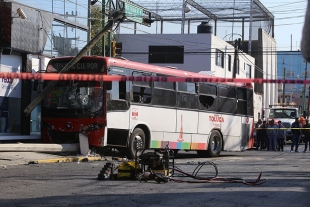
{"points": [[38, 65], [10, 95], [27, 42]]}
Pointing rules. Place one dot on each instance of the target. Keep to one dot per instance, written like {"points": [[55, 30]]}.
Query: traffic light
{"points": [[116, 48], [147, 21], [119, 47], [113, 48]]}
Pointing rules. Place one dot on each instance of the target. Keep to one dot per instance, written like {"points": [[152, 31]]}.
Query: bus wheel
{"points": [[214, 147], [136, 143], [215, 144]]}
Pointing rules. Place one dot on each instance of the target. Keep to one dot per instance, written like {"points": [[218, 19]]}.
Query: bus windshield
{"points": [[74, 97]]}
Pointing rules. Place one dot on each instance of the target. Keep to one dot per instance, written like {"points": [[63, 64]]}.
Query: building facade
{"points": [[32, 32], [192, 52], [292, 66]]}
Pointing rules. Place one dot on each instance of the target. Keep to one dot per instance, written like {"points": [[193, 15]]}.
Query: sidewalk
{"points": [[17, 154], [22, 158]]}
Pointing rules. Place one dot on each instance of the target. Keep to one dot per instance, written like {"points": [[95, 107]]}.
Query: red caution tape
{"points": [[97, 77]]}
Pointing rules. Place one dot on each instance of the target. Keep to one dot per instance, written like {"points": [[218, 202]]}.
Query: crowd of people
{"points": [[271, 136]]}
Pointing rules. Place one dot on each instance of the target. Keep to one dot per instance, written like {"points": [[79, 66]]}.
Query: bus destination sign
{"points": [[80, 66]]}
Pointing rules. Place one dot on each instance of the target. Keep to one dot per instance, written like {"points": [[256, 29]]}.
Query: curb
{"points": [[67, 159]]}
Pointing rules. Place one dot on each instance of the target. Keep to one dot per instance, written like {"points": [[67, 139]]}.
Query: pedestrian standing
{"points": [[306, 133], [281, 135], [272, 135], [296, 131], [264, 135], [258, 133]]}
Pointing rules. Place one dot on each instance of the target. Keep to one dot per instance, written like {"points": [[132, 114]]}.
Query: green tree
{"points": [[96, 26]]}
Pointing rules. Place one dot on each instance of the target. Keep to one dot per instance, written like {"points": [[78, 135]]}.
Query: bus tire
{"points": [[137, 139], [214, 146]]}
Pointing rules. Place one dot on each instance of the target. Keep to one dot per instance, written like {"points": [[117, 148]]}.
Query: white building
{"points": [[191, 52]]}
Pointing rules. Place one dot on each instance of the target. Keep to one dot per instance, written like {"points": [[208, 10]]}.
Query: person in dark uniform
{"points": [[272, 135], [281, 135], [306, 132], [258, 134], [296, 130], [264, 135]]}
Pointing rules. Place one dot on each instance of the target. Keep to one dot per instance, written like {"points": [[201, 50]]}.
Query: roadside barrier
{"points": [[101, 77]]}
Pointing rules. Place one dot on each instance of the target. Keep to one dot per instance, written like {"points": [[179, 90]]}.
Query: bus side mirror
{"points": [[109, 85]]}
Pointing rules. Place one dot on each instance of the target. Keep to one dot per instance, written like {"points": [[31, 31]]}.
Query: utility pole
{"points": [[304, 93], [291, 42], [116, 16], [109, 33], [308, 102], [103, 24], [183, 16], [283, 88], [250, 30], [88, 24], [90, 4], [235, 60]]}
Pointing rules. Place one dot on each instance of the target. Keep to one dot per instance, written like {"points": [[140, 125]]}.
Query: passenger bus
{"points": [[132, 116]]}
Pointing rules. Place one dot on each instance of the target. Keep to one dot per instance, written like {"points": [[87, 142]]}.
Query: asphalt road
{"points": [[76, 183]]}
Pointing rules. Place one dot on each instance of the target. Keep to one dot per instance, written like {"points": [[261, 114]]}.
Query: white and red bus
{"points": [[205, 117]]}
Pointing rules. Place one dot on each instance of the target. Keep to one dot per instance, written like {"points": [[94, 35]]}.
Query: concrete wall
{"points": [[269, 65], [257, 106]]}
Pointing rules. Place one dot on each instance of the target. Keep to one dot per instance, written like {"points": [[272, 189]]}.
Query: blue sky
{"points": [[289, 19]]}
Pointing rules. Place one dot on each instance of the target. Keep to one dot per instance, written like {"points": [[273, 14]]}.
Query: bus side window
{"points": [[141, 94], [187, 95], [122, 90], [141, 91], [206, 101], [109, 85], [208, 96], [242, 102], [228, 99], [118, 90], [114, 93], [164, 93], [137, 98]]}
